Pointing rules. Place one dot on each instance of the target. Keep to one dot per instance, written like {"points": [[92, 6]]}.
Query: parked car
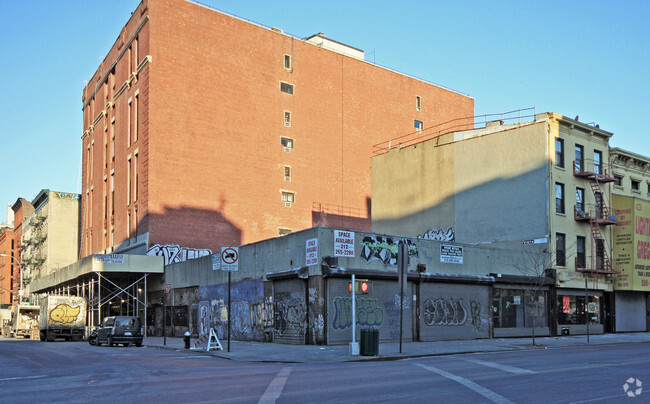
{"points": [[114, 330], [92, 338]]}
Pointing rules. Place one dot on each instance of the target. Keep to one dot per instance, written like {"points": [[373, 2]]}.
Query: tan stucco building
{"points": [[528, 180], [50, 235]]}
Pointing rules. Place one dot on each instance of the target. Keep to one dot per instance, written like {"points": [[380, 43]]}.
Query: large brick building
{"points": [[11, 235], [203, 130]]}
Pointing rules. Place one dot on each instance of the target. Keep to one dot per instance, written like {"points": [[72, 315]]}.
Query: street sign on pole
{"points": [[230, 259]]}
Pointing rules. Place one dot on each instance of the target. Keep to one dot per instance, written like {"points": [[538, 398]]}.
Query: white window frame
{"points": [[288, 86]]}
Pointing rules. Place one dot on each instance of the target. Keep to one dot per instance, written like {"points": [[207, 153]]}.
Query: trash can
{"points": [[369, 342]]}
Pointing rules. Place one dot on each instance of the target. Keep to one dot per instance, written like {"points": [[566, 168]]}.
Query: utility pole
{"points": [[402, 268]]}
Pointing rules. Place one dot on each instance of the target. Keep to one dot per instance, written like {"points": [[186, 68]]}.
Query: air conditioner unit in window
{"points": [[287, 204], [287, 179], [287, 149]]}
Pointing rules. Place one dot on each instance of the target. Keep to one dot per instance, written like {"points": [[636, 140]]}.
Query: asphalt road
{"points": [[35, 372]]}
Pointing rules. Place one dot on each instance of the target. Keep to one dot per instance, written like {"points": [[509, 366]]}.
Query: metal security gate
{"points": [[290, 311]]}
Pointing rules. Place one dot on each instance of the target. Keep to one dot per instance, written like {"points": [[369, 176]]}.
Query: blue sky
{"points": [[586, 58]]}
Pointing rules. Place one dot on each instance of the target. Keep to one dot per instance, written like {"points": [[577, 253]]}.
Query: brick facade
{"points": [[202, 90]]}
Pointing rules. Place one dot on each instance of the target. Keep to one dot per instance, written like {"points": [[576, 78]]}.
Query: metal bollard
{"points": [[186, 338]]}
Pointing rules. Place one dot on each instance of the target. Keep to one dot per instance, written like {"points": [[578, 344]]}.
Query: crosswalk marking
{"points": [[274, 390], [487, 393], [505, 368]]}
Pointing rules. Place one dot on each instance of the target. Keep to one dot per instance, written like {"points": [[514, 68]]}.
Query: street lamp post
{"points": [[20, 268]]}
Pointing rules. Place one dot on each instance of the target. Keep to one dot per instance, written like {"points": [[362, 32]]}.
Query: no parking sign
{"points": [[230, 259]]}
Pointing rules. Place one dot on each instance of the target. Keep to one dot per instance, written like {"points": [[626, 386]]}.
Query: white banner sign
{"points": [[451, 254], [311, 252], [343, 243]]}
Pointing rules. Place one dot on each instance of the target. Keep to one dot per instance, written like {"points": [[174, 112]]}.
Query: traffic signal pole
{"points": [[354, 346]]}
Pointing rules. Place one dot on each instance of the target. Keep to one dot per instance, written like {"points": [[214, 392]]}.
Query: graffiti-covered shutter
{"points": [[453, 311], [290, 314], [379, 309]]}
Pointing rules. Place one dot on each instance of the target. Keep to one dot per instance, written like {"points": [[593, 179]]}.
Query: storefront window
{"points": [[572, 310], [536, 309], [513, 308]]}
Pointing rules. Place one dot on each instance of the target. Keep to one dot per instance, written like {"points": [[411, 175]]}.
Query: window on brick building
{"points": [[135, 177], [287, 143], [287, 173], [418, 125], [112, 195], [105, 201], [128, 180], [286, 88], [418, 103], [284, 232], [136, 105], [287, 62], [128, 123], [288, 197], [287, 118]]}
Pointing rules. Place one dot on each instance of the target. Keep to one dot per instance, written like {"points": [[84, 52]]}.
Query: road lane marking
{"points": [[505, 368], [487, 393], [274, 390], [10, 379]]}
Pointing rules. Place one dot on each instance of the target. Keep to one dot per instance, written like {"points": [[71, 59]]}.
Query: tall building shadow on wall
{"points": [[341, 216], [501, 209], [182, 233]]}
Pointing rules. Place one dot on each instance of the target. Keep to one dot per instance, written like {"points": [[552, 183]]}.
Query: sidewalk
{"points": [[272, 352]]}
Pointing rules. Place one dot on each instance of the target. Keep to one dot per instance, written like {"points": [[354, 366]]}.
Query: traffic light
{"points": [[362, 286]]}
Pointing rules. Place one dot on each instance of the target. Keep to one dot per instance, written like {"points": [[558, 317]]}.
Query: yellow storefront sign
{"points": [[632, 243]]}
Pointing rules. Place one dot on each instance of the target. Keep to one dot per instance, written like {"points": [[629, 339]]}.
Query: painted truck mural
{"points": [[62, 317]]}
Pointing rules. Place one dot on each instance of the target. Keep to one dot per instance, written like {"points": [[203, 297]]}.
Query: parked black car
{"points": [[114, 330], [92, 338]]}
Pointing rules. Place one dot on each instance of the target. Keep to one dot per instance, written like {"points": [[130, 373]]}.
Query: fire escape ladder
{"points": [[600, 261]]}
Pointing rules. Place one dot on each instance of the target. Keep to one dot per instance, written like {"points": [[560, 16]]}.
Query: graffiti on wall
{"points": [[290, 313], [368, 313], [262, 314], [172, 253], [247, 319], [391, 311], [451, 312], [251, 313], [384, 249], [439, 234]]}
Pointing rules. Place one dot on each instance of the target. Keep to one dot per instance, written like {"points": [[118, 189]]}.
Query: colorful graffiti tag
{"points": [[368, 313], [384, 249]]}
